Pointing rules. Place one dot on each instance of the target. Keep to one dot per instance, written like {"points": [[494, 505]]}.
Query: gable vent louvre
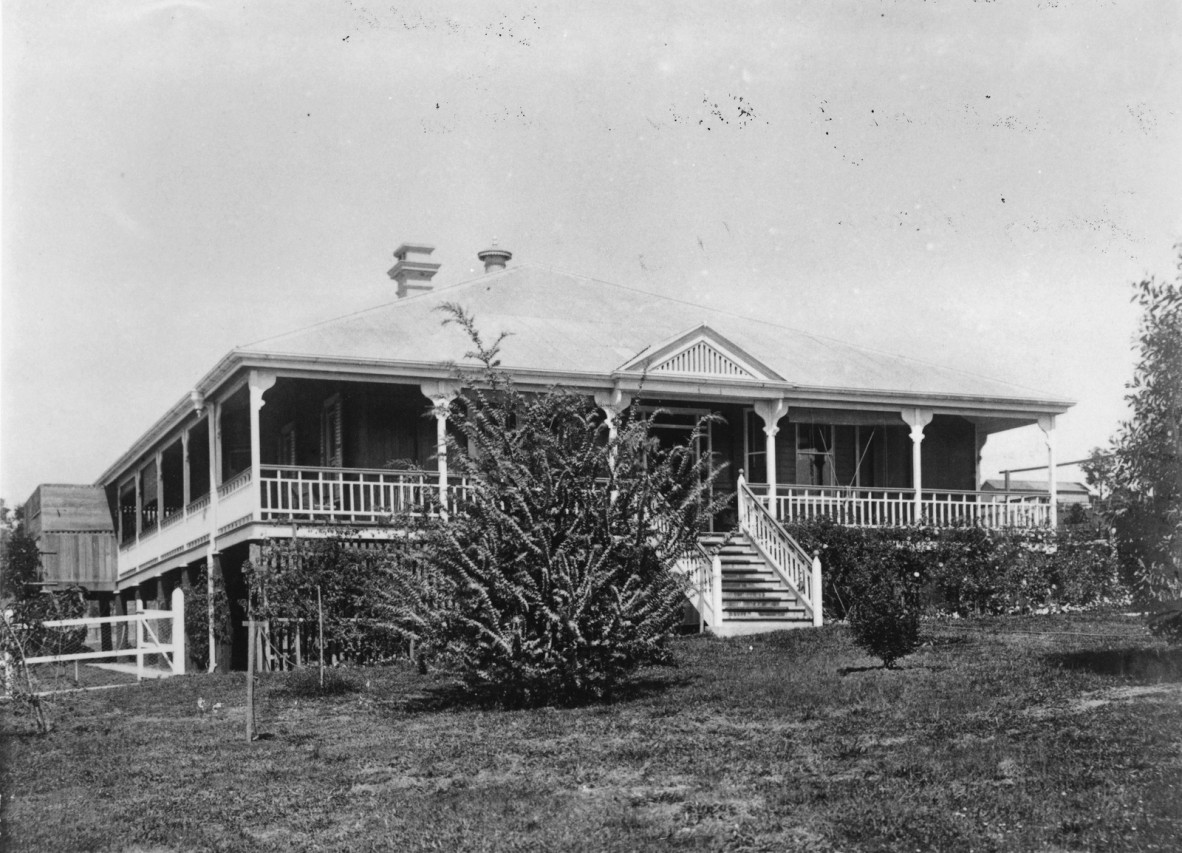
{"points": [[702, 359]]}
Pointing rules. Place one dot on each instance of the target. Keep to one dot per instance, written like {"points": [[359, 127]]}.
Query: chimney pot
{"points": [[494, 258], [413, 271]]}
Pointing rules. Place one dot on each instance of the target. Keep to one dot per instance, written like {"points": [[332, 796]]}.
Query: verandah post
{"points": [[770, 412], [917, 419], [259, 382], [1047, 424], [441, 393]]}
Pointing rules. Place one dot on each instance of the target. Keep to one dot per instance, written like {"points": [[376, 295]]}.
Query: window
{"points": [[128, 512], [755, 445], [331, 449], [814, 455], [286, 452]]}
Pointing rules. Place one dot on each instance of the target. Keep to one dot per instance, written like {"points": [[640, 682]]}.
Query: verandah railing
{"points": [[349, 495], [884, 507]]}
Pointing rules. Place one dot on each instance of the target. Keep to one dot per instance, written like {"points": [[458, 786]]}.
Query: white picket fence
{"points": [[149, 633]]}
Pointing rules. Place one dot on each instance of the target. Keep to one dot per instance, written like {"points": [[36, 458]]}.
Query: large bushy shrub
{"points": [[557, 564]]}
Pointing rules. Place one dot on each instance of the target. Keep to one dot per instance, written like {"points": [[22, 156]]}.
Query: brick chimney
{"points": [[494, 258], [413, 271]]}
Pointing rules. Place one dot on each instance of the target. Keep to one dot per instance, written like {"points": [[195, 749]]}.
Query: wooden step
{"points": [[754, 597]]}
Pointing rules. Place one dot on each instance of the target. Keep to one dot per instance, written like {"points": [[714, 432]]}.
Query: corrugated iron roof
{"points": [[68, 507], [1061, 486], [572, 324]]}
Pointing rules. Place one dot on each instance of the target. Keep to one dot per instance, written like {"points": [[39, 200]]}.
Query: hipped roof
{"points": [[582, 332], [577, 326]]}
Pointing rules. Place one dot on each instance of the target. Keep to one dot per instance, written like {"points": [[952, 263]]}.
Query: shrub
{"points": [[887, 604], [197, 617], [557, 565], [971, 571]]}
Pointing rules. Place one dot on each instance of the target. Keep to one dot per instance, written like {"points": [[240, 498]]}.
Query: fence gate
{"points": [[145, 644]]}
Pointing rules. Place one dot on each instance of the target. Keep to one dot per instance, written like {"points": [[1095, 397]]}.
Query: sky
{"points": [[972, 183]]}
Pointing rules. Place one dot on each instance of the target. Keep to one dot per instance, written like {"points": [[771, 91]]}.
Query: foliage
{"points": [[557, 565], [20, 567], [1142, 470], [886, 591], [197, 617], [356, 588], [969, 570], [24, 635]]}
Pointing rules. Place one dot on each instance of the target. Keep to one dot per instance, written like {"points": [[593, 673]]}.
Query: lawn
{"points": [[992, 737]]}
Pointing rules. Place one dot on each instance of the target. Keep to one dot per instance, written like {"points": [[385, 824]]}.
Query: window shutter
{"points": [[287, 445], [331, 444]]}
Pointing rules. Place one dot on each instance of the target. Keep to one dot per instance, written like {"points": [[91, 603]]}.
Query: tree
{"points": [[20, 566], [557, 565], [1142, 470]]}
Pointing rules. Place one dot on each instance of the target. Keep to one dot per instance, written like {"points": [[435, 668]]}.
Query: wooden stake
{"points": [[320, 612], [250, 681]]}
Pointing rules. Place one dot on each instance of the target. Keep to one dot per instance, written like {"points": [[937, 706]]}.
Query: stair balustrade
{"points": [[782, 553]]}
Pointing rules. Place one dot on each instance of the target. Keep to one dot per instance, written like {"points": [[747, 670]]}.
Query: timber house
{"points": [[338, 424]]}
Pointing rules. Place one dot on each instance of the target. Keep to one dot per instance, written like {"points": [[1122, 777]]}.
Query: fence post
{"points": [[178, 630], [815, 587], [139, 640], [716, 592]]}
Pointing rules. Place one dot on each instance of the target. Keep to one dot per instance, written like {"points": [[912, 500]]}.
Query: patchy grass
{"points": [[987, 739]]}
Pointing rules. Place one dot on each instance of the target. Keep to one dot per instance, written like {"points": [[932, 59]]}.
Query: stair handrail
{"points": [[779, 550], [704, 573]]}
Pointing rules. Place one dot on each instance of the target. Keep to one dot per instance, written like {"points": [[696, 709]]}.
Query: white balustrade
{"points": [[879, 507], [698, 567], [782, 553], [348, 495]]}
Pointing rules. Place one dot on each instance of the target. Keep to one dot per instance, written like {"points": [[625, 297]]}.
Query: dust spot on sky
{"points": [[732, 110]]}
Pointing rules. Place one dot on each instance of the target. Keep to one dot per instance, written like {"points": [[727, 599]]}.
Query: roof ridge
{"points": [[402, 300]]}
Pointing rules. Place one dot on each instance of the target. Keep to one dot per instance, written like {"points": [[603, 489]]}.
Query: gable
{"points": [[700, 352]]}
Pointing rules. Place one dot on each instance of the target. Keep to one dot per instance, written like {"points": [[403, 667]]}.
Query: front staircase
{"points": [[755, 599]]}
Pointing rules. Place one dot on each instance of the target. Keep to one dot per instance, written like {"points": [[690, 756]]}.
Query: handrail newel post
{"points": [[815, 589], [716, 591]]}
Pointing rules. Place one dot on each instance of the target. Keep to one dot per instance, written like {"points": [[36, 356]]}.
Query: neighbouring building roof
{"points": [[1040, 486], [571, 325], [54, 508]]}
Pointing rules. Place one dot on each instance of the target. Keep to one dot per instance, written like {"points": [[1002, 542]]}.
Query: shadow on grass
{"points": [[454, 696], [852, 670], [1152, 665]]}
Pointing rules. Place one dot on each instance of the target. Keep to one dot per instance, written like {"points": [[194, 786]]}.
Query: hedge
{"points": [[968, 570]]}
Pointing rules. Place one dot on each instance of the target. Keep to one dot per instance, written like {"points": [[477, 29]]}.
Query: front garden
{"points": [[999, 733]]}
